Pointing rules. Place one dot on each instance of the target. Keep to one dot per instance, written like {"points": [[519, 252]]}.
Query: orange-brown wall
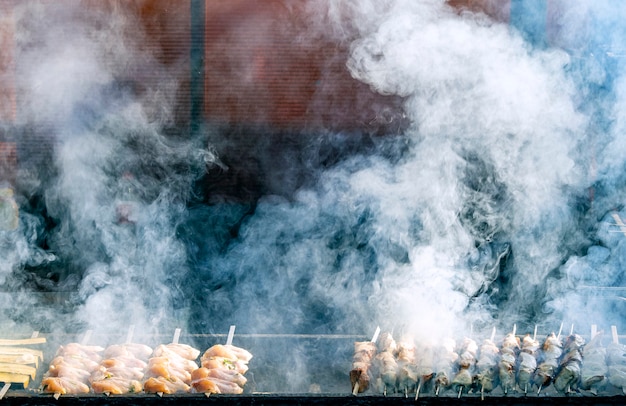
{"points": [[264, 68], [7, 63], [497, 9]]}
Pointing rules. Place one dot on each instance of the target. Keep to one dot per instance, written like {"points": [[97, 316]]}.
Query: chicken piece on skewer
{"points": [[386, 366], [364, 352], [551, 351], [407, 366], [161, 384], [506, 366], [122, 371], [228, 351], [487, 366], [360, 377], [63, 385], [386, 342], [71, 368], [568, 376], [464, 377], [616, 356], [116, 385], [128, 350], [595, 369], [446, 362], [204, 380], [222, 370], [527, 362], [425, 367], [169, 369], [181, 350]]}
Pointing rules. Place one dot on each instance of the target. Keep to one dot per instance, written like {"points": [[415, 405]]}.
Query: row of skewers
{"points": [[127, 368], [514, 365]]}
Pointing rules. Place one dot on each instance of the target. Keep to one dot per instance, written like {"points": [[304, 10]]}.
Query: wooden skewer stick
{"points": [[460, 391], [86, 337], [571, 329], [376, 333], [4, 390], [614, 334], [176, 336], [231, 334], [539, 390], [514, 329], [56, 395], [535, 333], [207, 394], [493, 334], [526, 388], [355, 391], [437, 391], [482, 392], [594, 330], [129, 335], [417, 391], [406, 392], [558, 336], [160, 394]]}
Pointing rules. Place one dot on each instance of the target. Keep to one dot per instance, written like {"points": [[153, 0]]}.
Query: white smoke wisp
{"points": [[494, 153], [117, 184]]}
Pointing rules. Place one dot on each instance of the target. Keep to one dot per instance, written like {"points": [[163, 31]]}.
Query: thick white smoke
{"points": [[477, 215]]}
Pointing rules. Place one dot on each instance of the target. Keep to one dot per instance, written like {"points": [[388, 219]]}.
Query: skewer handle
{"points": [[614, 334], [376, 333], [231, 334], [86, 337], [176, 336], [4, 390], [129, 335]]}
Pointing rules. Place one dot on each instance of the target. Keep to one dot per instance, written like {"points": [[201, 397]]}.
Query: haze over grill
{"points": [[477, 214]]}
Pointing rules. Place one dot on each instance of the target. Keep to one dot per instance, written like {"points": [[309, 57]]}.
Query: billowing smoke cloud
{"points": [[494, 206], [114, 186]]}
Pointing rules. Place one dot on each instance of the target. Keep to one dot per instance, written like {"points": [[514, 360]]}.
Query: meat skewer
{"points": [[487, 365], [408, 374], [464, 377], [508, 355], [121, 369], [550, 353], [527, 362], [169, 368], [570, 365], [222, 371], [385, 364], [616, 355], [425, 367], [594, 369], [71, 368], [446, 361], [364, 352]]}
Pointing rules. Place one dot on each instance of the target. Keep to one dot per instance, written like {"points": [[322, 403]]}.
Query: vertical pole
{"points": [[198, 18]]}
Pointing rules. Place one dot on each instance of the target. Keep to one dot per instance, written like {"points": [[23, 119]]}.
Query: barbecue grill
{"points": [[285, 95], [327, 383]]}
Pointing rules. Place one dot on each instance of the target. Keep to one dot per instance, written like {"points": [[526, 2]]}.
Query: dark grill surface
{"points": [[18, 398]]}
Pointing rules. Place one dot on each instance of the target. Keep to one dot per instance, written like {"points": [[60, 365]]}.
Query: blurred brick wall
{"points": [[7, 64]]}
